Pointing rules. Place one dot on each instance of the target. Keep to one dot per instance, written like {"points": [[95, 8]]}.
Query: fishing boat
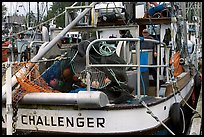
{"points": [[102, 86]]}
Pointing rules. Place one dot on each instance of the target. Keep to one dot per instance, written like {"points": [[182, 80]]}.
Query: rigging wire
{"points": [[194, 111], [37, 25], [155, 117]]}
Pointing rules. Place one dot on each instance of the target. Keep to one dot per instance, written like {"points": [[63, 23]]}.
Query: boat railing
{"points": [[137, 65], [69, 19], [92, 20]]}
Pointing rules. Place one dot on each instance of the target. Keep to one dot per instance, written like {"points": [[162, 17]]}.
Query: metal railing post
{"points": [[9, 110], [138, 68], [158, 68]]}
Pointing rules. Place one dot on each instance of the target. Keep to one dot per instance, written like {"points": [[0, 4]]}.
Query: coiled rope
{"points": [[105, 49]]}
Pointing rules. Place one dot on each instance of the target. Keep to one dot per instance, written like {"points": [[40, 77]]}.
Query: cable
{"points": [[155, 117], [174, 88], [194, 111], [38, 25], [143, 85]]}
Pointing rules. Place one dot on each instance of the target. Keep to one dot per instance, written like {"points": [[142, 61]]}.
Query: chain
{"points": [[15, 118], [15, 99], [23, 88]]}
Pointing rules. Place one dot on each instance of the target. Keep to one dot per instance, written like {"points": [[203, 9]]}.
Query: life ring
{"points": [[177, 118]]}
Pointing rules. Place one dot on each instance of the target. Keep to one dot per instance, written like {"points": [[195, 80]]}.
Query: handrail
{"points": [[88, 65]]}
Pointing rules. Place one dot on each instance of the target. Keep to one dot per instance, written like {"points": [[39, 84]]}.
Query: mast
{"points": [[47, 9], [173, 23], [38, 13], [183, 7], [28, 14]]}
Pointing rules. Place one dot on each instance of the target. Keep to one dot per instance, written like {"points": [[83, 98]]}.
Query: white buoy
{"points": [[45, 34]]}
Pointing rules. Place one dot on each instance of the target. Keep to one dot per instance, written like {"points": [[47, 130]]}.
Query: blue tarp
{"points": [[143, 60], [53, 72]]}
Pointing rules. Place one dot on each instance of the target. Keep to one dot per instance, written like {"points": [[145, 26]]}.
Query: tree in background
{"points": [[33, 18], [59, 7], [56, 9]]}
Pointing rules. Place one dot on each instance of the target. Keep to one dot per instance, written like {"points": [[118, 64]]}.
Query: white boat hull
{"points": [[110, 119]]}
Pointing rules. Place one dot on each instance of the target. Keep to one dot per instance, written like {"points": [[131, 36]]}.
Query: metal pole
{"points": [[29, 14], [67, 15], [38, 13], [158, 68], [45, 49], [138, 69], [47, 9], [183, 6], [9, 110], [173, 22], [200, 20], [167, 62]]}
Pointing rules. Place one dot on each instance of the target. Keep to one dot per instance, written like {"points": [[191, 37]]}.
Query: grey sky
{"points": [[23, 7]]}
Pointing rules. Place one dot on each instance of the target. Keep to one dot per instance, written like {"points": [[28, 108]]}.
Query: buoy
{"points": [[75, 78], [66, 72], [176, 118], [54, 82], [95, 84]]}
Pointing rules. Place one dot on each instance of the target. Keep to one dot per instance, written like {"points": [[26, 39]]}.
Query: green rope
{"points": [[105, 50]]}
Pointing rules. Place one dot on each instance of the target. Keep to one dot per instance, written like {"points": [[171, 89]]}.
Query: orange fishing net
{"points": [[30, 80]]}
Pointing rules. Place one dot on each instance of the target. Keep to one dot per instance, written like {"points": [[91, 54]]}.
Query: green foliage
{"points": [[56, 9]]}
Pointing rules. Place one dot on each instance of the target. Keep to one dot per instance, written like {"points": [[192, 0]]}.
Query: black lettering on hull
{"points": [[46, 121], [39, 121], [69, 122]]}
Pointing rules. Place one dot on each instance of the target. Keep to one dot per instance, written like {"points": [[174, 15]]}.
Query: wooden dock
{"points": [[196, 126]]}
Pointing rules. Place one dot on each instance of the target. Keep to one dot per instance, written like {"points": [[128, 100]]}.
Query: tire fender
{"points": [[176, 118]]}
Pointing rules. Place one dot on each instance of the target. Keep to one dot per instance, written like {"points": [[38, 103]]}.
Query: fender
{"points": [[176, 118], [197, 84]]}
